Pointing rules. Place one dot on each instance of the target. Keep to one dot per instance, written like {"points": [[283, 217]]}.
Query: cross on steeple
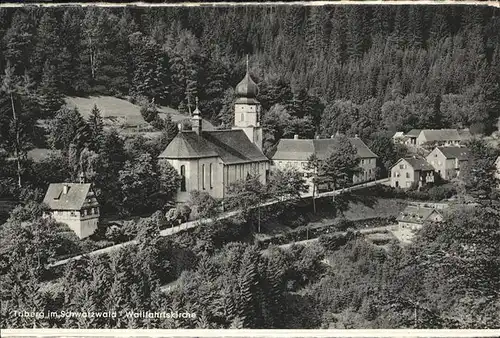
{"points": [[247, 64]]}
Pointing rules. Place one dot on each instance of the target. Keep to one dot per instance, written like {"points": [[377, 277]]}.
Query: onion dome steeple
{"points": [[247, 88], [196, 119]]}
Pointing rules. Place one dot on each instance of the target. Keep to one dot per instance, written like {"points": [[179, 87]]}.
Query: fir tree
{"points": [[50, 98], [248, 284], [96, 128], [170, 128]]}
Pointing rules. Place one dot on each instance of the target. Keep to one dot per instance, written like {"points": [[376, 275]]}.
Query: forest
{"points": [[446, 278], [355, 69]]}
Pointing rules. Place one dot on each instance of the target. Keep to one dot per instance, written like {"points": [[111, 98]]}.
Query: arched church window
{"points": [[210, 177], [242, 117], [203, 176], [183, 178]]}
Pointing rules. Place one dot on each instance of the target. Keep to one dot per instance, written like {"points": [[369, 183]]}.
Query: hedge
{"points": [[301, 233], [434, 193]]}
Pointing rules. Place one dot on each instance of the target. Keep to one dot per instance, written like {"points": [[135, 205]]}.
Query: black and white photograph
{"points": [[328, 166]]}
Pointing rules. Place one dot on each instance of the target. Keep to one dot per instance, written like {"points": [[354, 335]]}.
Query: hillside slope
{"points": [[122, 113]]}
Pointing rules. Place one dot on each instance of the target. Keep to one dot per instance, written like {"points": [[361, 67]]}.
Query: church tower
{"points": [[247, 109]]}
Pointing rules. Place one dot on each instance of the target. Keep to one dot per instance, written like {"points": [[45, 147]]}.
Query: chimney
{"points": [[65, 189], [82, 178], [179, 126], [356, 136], [295, 137], [317, 137], [333, 136]]}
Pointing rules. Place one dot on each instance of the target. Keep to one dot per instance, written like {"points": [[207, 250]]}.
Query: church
{"points": [[210, 160]]}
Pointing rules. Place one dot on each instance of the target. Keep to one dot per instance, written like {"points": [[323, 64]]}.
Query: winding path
{"points": [[195, 223]]}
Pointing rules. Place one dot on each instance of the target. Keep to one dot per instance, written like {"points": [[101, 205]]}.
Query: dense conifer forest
{"points": [[372, 67]]}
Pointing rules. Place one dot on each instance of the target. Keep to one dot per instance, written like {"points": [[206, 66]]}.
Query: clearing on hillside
{"points": [[123, 114]]}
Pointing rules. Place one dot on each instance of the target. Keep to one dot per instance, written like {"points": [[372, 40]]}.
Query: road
{"points": [[193, 224]]}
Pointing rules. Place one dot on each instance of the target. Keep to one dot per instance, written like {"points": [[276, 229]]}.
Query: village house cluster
{"points": [[437, 154], [210, 160]]}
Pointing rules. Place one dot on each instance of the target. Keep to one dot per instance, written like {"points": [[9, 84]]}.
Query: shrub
{"points": [[158, 123], [438, 193], [149, 112], [177, 215], [68, 244], [342, 224], [114, 233], [130, 229], [332, 242]]}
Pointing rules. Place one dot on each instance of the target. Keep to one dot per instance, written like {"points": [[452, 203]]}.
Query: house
{"points": [[296, 153], [497, 163], [443, 137], [399, 137], [438, 137], [411, 171], [414, 216], [74, 204], [411, 137], [210, 160], [448, 161]]}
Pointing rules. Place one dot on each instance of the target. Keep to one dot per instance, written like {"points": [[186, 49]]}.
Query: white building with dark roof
{"points": [[414, 216], [411, 171], [75, 205], [210, 160], [296, 153], [437, 137], [448, 161], [443, 137]]}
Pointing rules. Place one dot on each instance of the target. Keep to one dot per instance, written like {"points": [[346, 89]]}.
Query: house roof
{"points": [[290, 149], [301, 150], [232, 146], [442, 135], [74, 199], [363, 150], [413, 133], [417, 163], [398, 134], [460, 153], [186, 145], [416, 214], [465, 134]]}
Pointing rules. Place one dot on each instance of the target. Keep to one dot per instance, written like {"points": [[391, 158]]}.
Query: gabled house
{"points": [[211, 160], [411, 137], [296, 153], [411, 171], [399, 137], [74, 204], [443, 137], [414, 216], [448, 161]]}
